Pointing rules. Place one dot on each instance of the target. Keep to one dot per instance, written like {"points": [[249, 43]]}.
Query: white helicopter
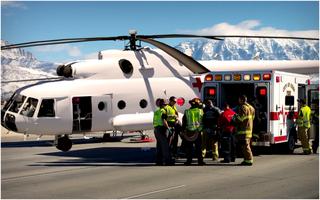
{"points": [[117, 91]]}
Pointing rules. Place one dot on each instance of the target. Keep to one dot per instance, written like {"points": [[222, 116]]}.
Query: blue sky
{"points": [[40, 20]]}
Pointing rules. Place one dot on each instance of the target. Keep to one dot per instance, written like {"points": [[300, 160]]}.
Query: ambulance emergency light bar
{"points": [[238, 77]]}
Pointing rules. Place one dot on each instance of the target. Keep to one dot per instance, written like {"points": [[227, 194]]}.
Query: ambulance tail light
{"points": [[267, 77], [309, 82], [263, 91], [212, 91], [208, 77], [218, 77]]}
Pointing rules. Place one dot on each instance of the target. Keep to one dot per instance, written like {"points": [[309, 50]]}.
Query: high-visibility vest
{"points": [[244, 120], [157, 117], [171, 113], [194, 119], [304, 117]]}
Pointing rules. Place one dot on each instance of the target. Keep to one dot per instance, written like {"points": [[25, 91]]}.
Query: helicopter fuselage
{"points": [[73, 106]]}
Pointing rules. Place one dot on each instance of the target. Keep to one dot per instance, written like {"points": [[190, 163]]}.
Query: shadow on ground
{"points": [[46, 143]]}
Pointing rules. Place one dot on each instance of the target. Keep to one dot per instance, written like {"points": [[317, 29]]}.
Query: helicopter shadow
{"points": [[49, 143], [102, 156]]}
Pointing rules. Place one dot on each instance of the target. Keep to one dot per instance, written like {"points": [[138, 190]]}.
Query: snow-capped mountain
{"points": [[248, 49], [17, 64]]}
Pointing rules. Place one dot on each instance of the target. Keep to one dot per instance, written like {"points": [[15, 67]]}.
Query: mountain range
{"points": [[19, 64], [247, 49]]}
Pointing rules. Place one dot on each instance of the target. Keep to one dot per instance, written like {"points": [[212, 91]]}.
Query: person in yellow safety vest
{"points": [[173, 122], [192, 128], [160, 131], [303, 123], [244, 125]]}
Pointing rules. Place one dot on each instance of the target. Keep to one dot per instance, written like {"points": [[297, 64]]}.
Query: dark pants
{"points": [[189, 148], [315, 143], [228, 146], [163, 153], [175, 138]]}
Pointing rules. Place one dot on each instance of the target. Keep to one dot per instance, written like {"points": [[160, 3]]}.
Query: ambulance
{"points": [[274, 96]]}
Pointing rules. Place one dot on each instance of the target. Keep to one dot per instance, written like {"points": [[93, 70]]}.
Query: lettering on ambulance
{"points": [[288, 85]]}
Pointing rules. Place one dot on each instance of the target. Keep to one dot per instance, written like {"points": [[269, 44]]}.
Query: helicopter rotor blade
{"points": [[218, 37], [161, 36], [179, 36], [35, 79], [187, 61], [61, 41]]}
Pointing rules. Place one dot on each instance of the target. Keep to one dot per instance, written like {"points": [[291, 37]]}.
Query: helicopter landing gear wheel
{"points": [[64, 143]]}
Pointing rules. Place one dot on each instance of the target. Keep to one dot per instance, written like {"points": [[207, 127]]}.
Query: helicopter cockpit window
{"points": [[17, 103], [29, 107], [47, 108]]}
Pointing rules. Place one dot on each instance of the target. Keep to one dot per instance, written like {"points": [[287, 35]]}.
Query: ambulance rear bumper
{"points": [[263, 140]]}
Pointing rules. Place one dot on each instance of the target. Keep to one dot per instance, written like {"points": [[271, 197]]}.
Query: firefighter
{"points": [[244, 124], [174, 124], [160, 131], [210, 133], [191, 131], [303, 123], [227, 138], [315, 122]]}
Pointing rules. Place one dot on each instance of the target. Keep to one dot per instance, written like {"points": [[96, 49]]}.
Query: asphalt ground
{"points": [[93, 169]]}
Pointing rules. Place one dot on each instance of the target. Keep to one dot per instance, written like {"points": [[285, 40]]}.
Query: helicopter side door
{"points": [[101, 113]]}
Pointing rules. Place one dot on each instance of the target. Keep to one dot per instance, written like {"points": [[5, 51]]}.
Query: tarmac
{"points": [[93, 169]]}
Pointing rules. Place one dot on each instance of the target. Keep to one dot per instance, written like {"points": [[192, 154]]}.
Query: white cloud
{"points": [[251, 27], [13, 4], [91, 56], [70, 50]]}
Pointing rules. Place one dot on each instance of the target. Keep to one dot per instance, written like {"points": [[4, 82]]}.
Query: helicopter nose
{"points": [[8, 121]]}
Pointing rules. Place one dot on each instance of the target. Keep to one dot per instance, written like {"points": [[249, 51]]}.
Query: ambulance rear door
{"points": [[211, 91]]}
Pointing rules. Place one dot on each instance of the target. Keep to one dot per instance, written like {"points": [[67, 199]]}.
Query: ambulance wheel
{"points": [[64, 143]]}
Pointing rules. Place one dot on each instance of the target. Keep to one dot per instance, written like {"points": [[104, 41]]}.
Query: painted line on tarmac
{"points": [[156, 191]]}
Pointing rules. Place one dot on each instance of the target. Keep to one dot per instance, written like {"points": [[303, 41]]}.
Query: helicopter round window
{"points": [[143, 103], [126, 66], [101, 106], [121, 104]]}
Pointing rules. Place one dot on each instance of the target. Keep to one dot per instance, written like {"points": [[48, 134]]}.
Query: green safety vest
{"points": [[194, 119], [157, 117], [304, 117], [171, 113]]}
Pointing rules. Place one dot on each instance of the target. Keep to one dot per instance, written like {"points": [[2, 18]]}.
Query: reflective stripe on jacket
{"points": [[194, 119], [157, 117], [304, 117], [171, 113], [244, 120]]}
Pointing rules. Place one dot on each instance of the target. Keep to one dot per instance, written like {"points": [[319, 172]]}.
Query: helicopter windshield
{"points": [[15, 103]]}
